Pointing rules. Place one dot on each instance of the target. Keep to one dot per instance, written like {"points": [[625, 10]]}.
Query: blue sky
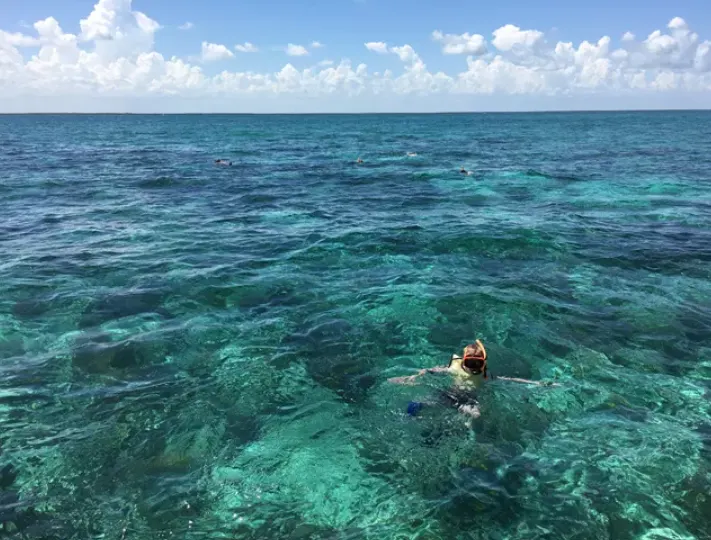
{"points": [[343, 26]]}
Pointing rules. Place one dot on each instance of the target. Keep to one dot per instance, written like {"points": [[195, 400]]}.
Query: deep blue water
{"points": [[195, 351]]}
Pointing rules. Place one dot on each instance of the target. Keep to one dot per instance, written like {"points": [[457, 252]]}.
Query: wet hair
{"points": [[474, 349]]}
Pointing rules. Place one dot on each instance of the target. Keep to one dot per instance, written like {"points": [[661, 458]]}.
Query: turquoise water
{"points": [[194, 351]]}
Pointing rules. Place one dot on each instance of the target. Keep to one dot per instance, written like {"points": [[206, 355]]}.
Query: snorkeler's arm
{"points": [[436, 369], [411, 378], [526, 381]]}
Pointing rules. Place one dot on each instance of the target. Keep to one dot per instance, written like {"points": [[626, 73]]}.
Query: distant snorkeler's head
{"points": [[474, 358]]}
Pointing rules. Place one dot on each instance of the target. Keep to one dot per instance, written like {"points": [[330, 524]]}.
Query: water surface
{"points": [[194, 351]]}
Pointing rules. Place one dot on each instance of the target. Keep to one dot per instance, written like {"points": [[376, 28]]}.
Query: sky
{"points": [[260, 56]]}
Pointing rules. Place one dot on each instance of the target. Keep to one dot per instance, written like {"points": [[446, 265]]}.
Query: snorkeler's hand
{"points": [[403, 380], [471, 410]]}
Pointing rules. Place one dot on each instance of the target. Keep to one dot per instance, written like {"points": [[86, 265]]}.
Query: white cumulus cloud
{"points": [[680, 48], [213, 52], [16, 39], [406, 53], [115, 20], [247, 47], [117, 31], [677, 23], [702, 59], [316, 45], [187, 26], [510, 37], [296, 50], [461, 44], [377, 46]]}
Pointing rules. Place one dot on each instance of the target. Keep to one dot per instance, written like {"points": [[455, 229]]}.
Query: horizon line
{"points": [[194, 113]]}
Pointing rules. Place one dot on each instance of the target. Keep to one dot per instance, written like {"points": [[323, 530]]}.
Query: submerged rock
{"points": [[8, 474], [123, 304]]}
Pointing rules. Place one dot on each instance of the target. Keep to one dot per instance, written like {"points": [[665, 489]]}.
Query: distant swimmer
{"points": [[463, 171], [359, 160], [224, 162]]}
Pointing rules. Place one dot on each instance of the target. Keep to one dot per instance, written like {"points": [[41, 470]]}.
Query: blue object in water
{"points": [[413, 408]]}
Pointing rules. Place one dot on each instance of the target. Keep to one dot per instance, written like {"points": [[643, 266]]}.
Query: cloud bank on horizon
{"points": [[114, 56]]}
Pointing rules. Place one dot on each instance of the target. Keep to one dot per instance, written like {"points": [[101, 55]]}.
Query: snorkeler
{"points": [[470, 372]]}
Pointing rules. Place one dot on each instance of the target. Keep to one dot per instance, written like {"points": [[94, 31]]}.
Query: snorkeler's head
{"points": [[474, 358]]}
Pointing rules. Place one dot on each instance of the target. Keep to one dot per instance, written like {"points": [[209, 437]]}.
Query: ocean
{"points": [[197, 351]]}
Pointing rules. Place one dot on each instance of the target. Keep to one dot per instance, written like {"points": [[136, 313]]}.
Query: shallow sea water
{"points": [[194, 351]]}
